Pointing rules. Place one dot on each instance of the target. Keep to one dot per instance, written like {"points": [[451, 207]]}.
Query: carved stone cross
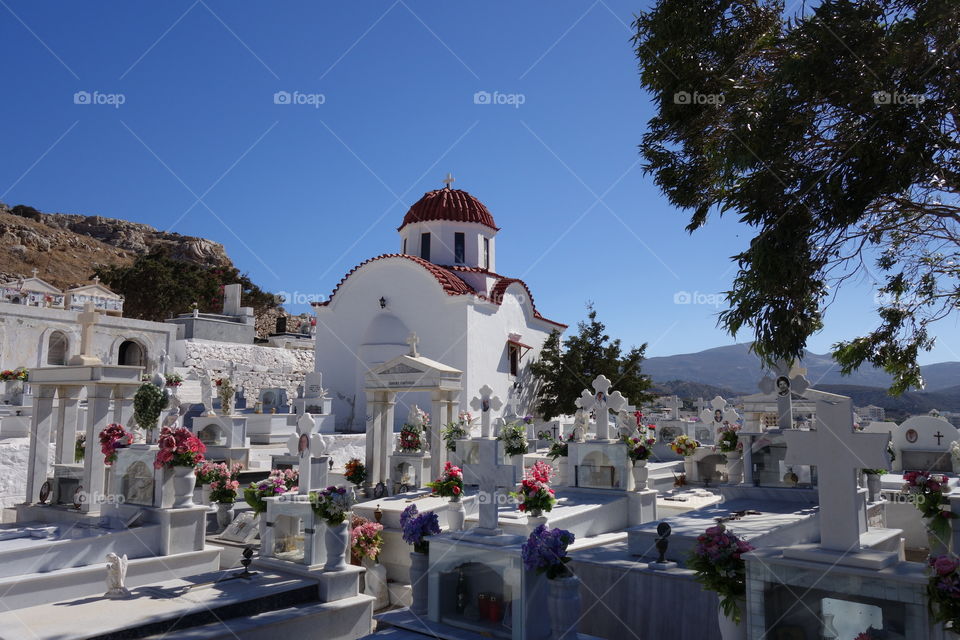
{"points": [[717, 414], [306, 444], [600, 402], [839, 453], [88, 319], [485, 403], [490, 475], [785, 386], [413, 341]]}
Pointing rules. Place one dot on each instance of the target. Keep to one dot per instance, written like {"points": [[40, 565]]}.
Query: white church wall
{"points": [[25, 335], [417, 303], [490, 326]]}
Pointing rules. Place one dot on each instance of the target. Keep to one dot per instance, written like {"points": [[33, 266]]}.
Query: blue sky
{"points": [[300, 193]]}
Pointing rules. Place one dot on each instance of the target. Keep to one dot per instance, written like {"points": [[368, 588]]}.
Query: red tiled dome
{"points": [[449, 204]]}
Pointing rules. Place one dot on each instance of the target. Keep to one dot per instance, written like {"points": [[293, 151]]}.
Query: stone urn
{"points": [[734, 467], [337, 540], [640, 475], [534, 521], [184, 480], [419, 562], [456, 514], [730, 630], [563, 605], [375, 583], [224, 515], [873, 486]]}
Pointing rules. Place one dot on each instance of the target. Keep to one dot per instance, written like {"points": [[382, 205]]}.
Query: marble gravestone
{"points": [[922, 443], [490, 476], [839, 453], [486, 403]]}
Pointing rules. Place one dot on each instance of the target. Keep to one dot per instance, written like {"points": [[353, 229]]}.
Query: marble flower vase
{"points": [[224, 515], [641, 474], [419, 563], [563, 605], [734, 467], [730, 630], [184, 482], [456, 514], [337, 539]]}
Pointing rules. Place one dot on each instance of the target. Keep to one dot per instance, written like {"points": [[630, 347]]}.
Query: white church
{"points": [[442, 286]]}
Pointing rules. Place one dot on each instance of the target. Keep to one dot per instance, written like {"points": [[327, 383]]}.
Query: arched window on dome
{"points": [[425, 246], [459, 247]]}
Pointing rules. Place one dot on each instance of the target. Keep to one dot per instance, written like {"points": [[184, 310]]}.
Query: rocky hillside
{"points": [[65, 248]]}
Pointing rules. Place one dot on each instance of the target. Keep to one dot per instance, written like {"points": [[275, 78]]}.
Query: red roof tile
{"points": [[451, 283], [449, 204]]}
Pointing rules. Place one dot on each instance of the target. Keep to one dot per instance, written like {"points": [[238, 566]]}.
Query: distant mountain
{"points": [[736, 368], [899, 407], [690, 390]]}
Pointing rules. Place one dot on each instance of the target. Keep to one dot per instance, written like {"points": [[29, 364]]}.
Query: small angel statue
{"points": [[116, 576]]}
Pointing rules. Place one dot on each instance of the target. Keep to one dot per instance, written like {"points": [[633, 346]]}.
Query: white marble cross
{"points": [[717, 414], [485, 403], [839, 454], [35, 271], [88, 319], [306, 444], [448, 180], [785, 386], [490, 475], [413, 341], [600, 402]]}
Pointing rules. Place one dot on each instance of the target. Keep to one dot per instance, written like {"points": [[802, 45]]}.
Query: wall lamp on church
{"points": [[383, 302]]}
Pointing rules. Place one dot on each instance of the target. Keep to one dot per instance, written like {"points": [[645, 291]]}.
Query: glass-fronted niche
{"points": [[770, 468]]}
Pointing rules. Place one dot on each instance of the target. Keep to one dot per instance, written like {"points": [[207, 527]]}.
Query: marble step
{"points": [[162, 608], [345, 619], [20, 592]]}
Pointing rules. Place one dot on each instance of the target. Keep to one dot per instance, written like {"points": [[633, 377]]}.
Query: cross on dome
{"points": [[449, 180]]}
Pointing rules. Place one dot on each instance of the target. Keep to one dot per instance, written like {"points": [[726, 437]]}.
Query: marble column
{"points": [[43, 417], [123, 403], [747, 459], [438, 452], [68, 413], [98, 417], [384, 442], [373, 430]]}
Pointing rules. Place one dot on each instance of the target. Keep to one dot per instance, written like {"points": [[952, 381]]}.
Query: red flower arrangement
{"points": [[450, 482], [535, 493], [112, 438], [179, 448]]}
